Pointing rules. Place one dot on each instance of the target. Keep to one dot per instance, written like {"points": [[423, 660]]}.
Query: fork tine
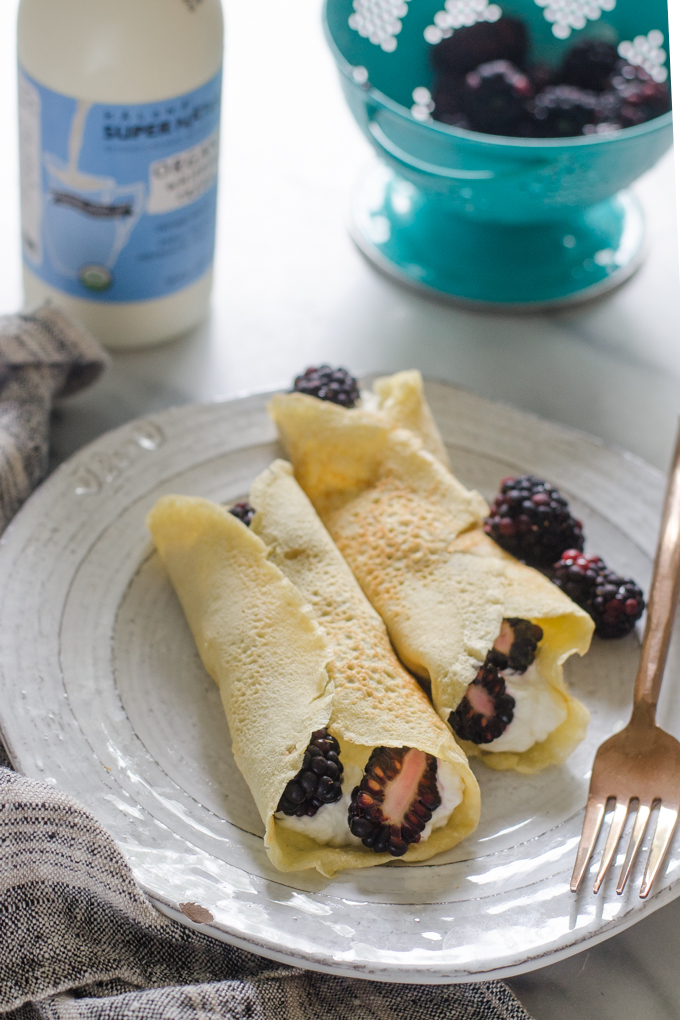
{"points": [[634, 845], [592, 823], [613, 837], [665, 827]]}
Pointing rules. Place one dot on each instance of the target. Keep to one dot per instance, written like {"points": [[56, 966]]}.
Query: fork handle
{"points": [[663, 596]]}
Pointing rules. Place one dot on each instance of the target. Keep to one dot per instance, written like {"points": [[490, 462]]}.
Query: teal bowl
{"points": [[514, 223]]}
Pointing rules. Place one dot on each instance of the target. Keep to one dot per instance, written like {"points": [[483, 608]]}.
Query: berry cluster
{"points": [[326, 383], [615, 603], [318, 782], [483, 82], [244, 511], [530, 519]]}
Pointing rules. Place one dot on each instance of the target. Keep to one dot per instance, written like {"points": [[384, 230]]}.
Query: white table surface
{"points": [[292, 290]]}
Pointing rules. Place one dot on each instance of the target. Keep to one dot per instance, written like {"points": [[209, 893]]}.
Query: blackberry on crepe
{"points": [[615, 603], [486, 709], [516, 645], [318, 782], [244, 511], [326, 383], [530, 519], [395, 800]]}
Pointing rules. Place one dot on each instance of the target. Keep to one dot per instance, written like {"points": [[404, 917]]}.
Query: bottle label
{"points": [[118, 201]]}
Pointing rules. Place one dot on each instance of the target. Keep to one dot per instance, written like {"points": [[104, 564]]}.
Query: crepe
{"points": [[294, 646], [412, 536]]}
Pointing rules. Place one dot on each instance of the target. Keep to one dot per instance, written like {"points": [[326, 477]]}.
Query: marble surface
{"points": [[292, 290]]}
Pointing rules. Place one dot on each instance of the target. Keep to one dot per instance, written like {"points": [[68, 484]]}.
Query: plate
{"points": [[104, 695]]}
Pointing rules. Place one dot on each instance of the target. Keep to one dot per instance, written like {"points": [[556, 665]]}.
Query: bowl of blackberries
{"points": [[507, 138]]}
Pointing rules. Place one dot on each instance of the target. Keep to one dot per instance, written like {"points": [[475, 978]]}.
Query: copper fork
{"points": [[641, 764]]}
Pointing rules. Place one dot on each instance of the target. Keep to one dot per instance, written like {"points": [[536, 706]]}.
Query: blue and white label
{"points": [[118, 202]]}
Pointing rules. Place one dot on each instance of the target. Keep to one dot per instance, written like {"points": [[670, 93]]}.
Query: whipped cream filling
{"points": [[368, 401], [451, 792], [539, 709], [329, 825]]}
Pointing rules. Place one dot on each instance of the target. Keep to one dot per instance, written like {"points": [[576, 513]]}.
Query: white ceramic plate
{"points": [[103, 694]]}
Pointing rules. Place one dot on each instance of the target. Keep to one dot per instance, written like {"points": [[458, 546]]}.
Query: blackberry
{"points": [[486, 709], [637, 97], [244, 511], [495, 98], [318, 782], [395, 799], [540, 76], [576, 574], [531, 520], [615, 603], [562, 111], [608, 115], [468, 47], [326, 383], [515, 647], [448, 97], [589, 65]]}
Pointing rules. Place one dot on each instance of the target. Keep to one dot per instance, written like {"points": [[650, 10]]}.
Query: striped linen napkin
{"points": [[43, 356]]}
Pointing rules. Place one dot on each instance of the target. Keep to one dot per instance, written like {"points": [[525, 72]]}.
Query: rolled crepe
{"points": [[412, 536], [294, 646]]}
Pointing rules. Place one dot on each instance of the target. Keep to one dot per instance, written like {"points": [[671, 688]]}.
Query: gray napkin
{"points": [[42, 357], [80, 941], [78, 938]]}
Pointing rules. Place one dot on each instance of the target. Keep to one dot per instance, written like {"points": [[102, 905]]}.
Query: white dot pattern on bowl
{"points": [[379, 21], [568, 15], [457, 14], [646, 51], [422, 104]]}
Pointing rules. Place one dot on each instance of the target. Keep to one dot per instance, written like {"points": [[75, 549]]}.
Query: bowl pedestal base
{"points": [[415, 237]]}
